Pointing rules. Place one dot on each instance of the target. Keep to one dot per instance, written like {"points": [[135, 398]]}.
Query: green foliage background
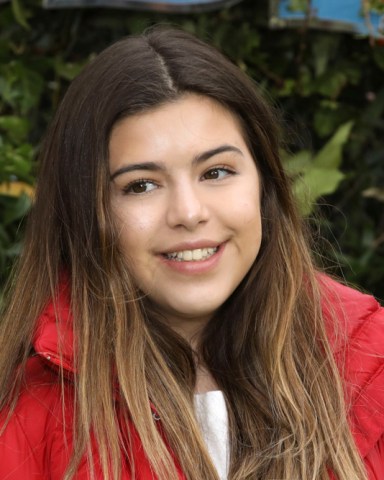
{"points": [[328, 87]]}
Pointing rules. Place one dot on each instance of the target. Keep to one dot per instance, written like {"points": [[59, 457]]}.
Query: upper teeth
{"points": [[191, 255]]}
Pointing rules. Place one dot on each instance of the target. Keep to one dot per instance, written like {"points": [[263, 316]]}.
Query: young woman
{"points": [[166, 320]]}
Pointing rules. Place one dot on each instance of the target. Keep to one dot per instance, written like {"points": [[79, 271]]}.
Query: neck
{"points": [[204, 380], [189, 328]]}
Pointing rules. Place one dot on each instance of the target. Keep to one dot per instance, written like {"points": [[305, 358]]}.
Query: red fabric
{"points": [[359, 351], [37, 442]]}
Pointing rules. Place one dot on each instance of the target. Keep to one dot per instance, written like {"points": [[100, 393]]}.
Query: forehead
{"points": [[191, 123]]}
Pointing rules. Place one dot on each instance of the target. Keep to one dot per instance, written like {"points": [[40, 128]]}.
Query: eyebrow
{"points": [[154, 166]]}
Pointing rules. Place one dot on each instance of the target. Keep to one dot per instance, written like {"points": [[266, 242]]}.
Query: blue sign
{"points": [[157, 5], [343, 15]]}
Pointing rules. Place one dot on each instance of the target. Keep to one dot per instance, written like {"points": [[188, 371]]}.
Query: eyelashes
{"points": [[139, 187], [217, 173], [144, 186]]}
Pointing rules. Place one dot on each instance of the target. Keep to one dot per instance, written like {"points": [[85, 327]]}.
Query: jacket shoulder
{"points": [[350, 308], [357, 338]]}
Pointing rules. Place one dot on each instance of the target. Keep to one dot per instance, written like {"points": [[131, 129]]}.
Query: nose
{"points": [[187, 207]]}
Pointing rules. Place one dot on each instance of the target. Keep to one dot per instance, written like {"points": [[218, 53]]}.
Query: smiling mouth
{"points": [[191, 255]]}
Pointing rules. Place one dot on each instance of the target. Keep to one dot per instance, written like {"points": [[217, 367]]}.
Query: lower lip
{"points": [[195, 267]]}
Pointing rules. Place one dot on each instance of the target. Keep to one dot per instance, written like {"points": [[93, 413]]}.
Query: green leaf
{"points": [[317, 175], [331, 83], [315, 183], [17, 208], [69, 70], [16, 162], [376, 6], [305, 85], [297, 163], [323, 49], [330, 115], [16, 127], [14, 250], [298, 5], [288, 87], [20, 86], [330, 156], [20, 14]]}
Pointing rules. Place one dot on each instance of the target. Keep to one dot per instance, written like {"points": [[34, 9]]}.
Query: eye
{"points": [[139, 187], [217, 173]]}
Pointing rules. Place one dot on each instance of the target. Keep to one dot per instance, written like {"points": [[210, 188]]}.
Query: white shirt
{"points": [[212, 417]]}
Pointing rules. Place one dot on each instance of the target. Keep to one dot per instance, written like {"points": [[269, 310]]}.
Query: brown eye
{"points": [[212, 174], [217, 173], [139, 187]]}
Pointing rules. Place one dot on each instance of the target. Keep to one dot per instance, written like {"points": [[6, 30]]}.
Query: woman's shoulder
{"points": [[349, 304], [40, 393], [355, 328], [352, 318], [38, 418], [357, 340]]}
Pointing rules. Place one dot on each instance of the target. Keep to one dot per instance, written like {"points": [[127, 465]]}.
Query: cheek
{"points": [[249, 227], [249, 212], [246, 211], [135, 227]]}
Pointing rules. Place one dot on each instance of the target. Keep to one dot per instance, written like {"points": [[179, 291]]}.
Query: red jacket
{"points": [[33, 446]]}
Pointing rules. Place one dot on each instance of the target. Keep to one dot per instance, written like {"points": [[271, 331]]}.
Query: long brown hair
{"points": [[266, 348]]}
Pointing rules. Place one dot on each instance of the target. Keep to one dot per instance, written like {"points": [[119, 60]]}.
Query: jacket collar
{"points": [[53, 339]]}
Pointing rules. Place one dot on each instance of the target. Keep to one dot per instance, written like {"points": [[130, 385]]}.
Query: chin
{"points": [[203, 313]]}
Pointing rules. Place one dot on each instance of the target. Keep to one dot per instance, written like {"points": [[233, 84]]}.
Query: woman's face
{"points": [[185, 194]]}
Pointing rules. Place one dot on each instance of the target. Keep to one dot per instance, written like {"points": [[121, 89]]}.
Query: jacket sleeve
{"points": [[19, 458], [374, 461], [358, 345], [27, 439]]}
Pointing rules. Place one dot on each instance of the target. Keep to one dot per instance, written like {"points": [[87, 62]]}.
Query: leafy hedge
{"points": [[328, 86]]}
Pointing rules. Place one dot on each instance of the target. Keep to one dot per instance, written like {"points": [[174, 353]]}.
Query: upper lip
{"points": [[180, 247]]}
